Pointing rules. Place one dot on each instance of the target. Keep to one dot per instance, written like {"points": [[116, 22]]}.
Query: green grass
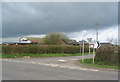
{"points": [[39, 55], [98, 64], [0, 55]]}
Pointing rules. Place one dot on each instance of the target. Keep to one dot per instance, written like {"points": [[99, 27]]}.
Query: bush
{"points": [[40, 49], [107, 55], [55, 38]]}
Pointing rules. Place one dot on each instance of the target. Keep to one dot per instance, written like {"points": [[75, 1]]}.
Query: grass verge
{"points": [[98, 64], [39, 55]]}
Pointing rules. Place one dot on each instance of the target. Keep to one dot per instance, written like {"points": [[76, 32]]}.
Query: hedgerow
{"points": [[107, 55], [40, 49]]}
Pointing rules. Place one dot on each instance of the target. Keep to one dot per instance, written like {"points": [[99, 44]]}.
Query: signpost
{"points": [[94, 45], [83, 52], [90, 46], [89, 50], [80, 48], [89, 40], [93, 55]]}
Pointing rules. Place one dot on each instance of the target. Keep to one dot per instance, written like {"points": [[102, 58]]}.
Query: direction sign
{"points": [[91, 45], [98, 46], [94, 44]]}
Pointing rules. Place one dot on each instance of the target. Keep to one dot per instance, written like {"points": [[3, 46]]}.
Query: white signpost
{"points": [[83, 52], [94, 45]]}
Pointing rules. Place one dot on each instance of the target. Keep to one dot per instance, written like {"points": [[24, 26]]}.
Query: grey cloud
{"points": [[0, 21], [39, 18]]}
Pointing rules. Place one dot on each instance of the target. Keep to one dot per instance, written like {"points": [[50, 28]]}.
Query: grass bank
{"points": [[39, 55], [98, 64]]}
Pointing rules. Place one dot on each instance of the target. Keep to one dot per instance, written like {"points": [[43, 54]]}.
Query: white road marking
{"points": [[50, 64], [94, 70], [72, 68], [83, 69], [54, 65], [62, 66], [62, 60], [47, 64]]}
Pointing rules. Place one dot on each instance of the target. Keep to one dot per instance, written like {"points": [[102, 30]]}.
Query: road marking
{"points": [[41, 64], [72, 67], [83, 69], [62, 60], [94, 70], [62, 66], [50, 64], [54, 65], [47, 64]]}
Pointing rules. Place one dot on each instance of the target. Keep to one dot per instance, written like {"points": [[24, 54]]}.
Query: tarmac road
{"points": [[50, 69]]}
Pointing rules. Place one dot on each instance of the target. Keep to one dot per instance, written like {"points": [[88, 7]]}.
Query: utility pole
{"points": [[96, 40], [97, 32]]}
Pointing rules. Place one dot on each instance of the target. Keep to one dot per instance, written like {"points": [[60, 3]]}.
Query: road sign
{"points": [[89, 39], [91, 45], [98, 46], [94, 44]]}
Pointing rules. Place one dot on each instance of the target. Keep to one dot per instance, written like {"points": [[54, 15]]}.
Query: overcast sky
{"points": [[73, 18]]}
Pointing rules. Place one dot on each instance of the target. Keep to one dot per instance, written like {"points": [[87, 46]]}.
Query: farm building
{"points": [[30, 40]]}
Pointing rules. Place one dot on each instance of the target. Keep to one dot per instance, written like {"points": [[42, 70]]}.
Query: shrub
{"points": [[107, 55], [40, 49], [55, 38]]}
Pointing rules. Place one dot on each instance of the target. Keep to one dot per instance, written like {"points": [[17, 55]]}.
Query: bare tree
{"points": [[110, 40], [113, 41]]}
